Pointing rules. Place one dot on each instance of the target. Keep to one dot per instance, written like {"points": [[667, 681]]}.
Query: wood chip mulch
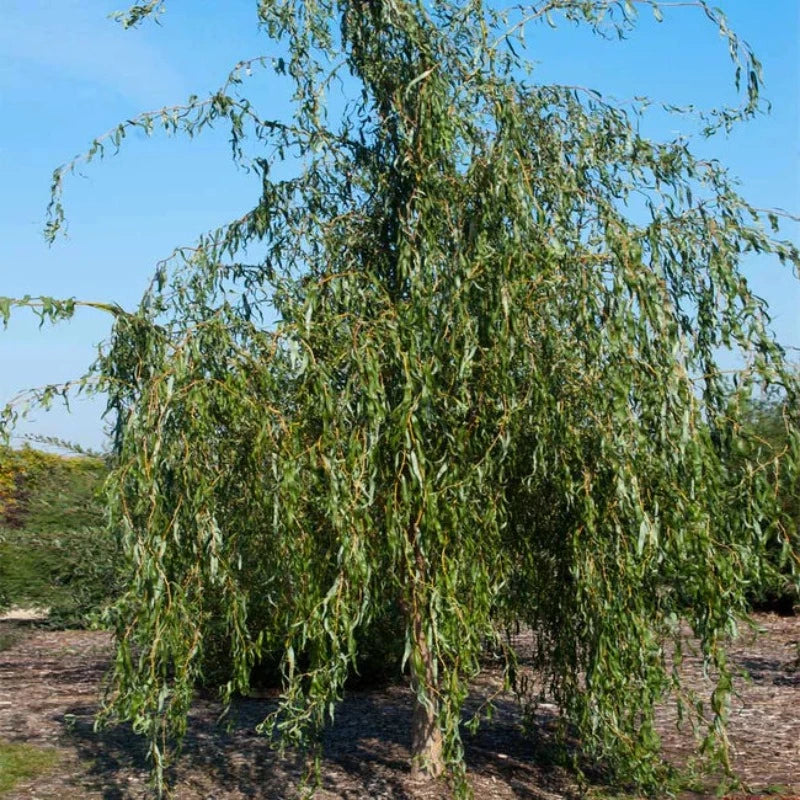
{"points": [[49, 686]]}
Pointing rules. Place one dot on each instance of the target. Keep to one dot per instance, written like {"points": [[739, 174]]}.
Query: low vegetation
{"points": [[19, 762], [8, 639], [778, 587], [55, 549]]}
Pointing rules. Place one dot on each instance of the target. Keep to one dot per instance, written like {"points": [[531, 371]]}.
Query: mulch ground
{"points": [[49, 685]]}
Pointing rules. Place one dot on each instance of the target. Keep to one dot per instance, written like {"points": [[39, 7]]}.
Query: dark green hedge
{"points": [[55, 549]]}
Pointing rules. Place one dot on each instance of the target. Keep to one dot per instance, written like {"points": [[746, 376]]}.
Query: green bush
{"points": [[55, 550], [778, 587]]}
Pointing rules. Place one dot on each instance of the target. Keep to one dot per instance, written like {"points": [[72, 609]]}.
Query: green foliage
{"points": [[19, 762], [55, 549], [491, 396], [779, 587], [379, 652]]}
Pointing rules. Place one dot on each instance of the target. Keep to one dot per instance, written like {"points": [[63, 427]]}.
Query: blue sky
{"points": [[68, 73]]}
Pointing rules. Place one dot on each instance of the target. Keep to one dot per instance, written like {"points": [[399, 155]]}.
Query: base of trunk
{"points": [[426, 744]]}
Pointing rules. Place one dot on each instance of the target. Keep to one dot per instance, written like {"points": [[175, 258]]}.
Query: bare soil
{"points": [[50, 682]]}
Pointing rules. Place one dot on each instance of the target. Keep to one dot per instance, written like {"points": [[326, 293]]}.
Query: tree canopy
{"points": [[462, 365]]}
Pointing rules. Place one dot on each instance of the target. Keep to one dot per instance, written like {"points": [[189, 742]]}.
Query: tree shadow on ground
{"points": [[762, 670], [365, 752], [362, 753]]}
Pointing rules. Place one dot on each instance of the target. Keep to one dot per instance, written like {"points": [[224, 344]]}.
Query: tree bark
{"points": [[426, 738]]}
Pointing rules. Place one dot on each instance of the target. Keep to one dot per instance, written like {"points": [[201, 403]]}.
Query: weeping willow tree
{"points": [[460, 367]]}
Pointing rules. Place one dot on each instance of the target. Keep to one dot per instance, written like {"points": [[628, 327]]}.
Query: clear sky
{"points": [[68, 73]]}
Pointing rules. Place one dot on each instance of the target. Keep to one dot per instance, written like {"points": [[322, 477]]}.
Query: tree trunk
{"points": [[426, 737]]}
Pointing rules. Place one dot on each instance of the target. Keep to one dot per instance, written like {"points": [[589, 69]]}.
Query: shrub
{"points": [[55, 549], [779, 587]]}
